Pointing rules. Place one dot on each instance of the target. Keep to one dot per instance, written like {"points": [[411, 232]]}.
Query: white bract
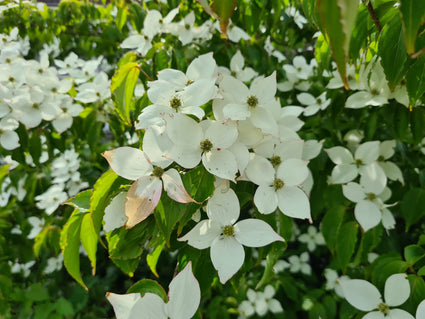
{"points": [[260, 302], [145, 193], [364, 296], [183, 300], [348, 167], [279, 188], [226, 237], [208, 140], [312, 238]]}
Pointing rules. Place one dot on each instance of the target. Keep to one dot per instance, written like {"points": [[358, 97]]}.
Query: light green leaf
{"points": [[146, 285], [81, 200], [412, 16], [152, 257], [70, 245], [277, 250], [122, 88], [89, 240]]}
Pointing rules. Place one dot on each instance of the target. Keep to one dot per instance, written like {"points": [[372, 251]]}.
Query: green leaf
{"points": [[121, 17], [146, 285], [417, 124], [70, 245], [401, 121], [152, 258], [346, 243], [104, 188], [64, 307], [331, 225], [224, 10], [415, 80], [277, 250], [359, 35], [337, 18], [322, 53], [167, 214], [413, 253], [89, 240], [35, 147], [36, 292], [122, 88], [81, 200], [392, 51], [412, 16], [412, 206]]}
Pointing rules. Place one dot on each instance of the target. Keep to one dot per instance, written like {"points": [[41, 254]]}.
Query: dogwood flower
{"points": [[183, 300], [386, 150], [369, 197], [348, 167], [364, 296], [225, 237], [279, 188], [237, 69], [312, 238], [208, 140], [313, 104], [145, 193], [260, 302]]}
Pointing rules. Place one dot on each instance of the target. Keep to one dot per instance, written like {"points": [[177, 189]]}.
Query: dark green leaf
{"points": [[413, 253], [412, 206], [152, 258], [331, 225], [346, 243], [412, 16], [277, 250], [392, 51], [415, 80], [36, 292]]}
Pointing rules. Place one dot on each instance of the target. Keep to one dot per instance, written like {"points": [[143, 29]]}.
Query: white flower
{"points": [[348, 167], [312, 238], [300, 263], [260, 302], [225, 237], [373, 83], [9, 139], [54, 264], [298, 18], [145, 193], [333, 281], [208, 141], [237, 69], [280, 188], [313, 104], [420, 312], [184, 297], [386, 150], [362, 295], [50, 200], [37, 226]]}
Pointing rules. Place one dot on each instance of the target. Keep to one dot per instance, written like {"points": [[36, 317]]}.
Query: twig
{"points": [[373, 15]]}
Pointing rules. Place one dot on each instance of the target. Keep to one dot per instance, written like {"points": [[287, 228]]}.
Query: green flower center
{"points": [[371, 196], [233, 73], [252, 101], [157, 171], [319, 100], [276, 161], [189, 82], [278, 184], [374, 92], [358, 162], [11, 79], [187, 26], [228, 231], [54, 90], [383, 307], [40, 71], [8, 60], [175, 103], [206, 145], [381, 158], [36, 106]]}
